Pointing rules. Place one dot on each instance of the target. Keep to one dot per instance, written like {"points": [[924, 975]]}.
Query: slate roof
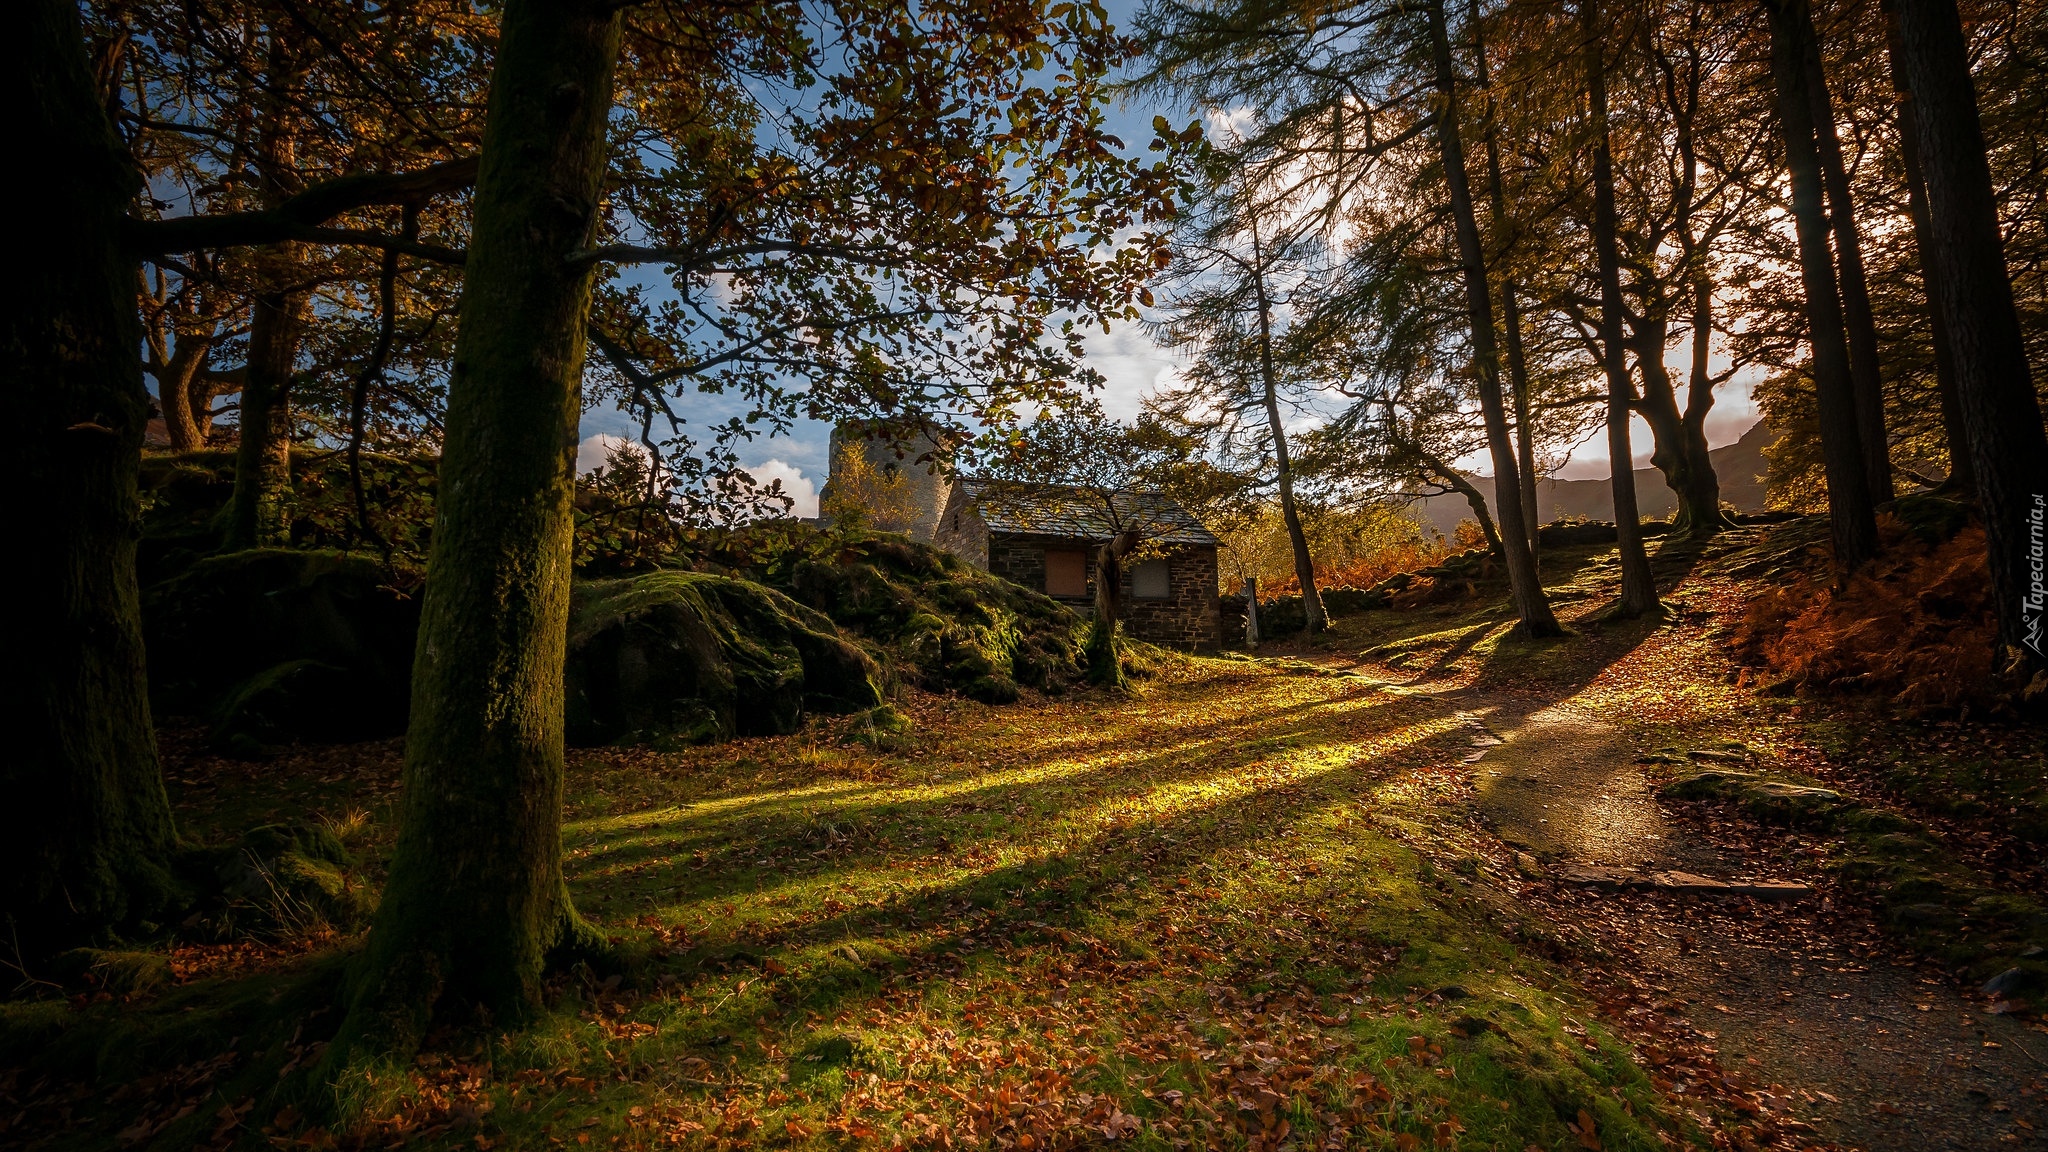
{"points": [[1076, 513]]}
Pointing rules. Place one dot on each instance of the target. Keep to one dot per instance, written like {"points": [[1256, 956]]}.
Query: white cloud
{"points": [[795, 484], [594, 451], [1131, 365]]}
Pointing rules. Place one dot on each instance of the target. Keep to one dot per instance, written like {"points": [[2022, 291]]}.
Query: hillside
{"points": [[1739, 465]]}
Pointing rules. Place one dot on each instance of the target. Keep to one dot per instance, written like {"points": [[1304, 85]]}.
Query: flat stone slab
{"points": [[1681, 883], [1595, 876]]}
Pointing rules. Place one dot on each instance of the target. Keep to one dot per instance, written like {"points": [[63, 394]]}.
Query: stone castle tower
{"points": [[901, 474]]}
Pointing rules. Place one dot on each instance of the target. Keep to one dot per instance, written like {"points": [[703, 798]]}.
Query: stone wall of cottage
{"points": [[1193, 616], [961, 531], [1190, 618]]}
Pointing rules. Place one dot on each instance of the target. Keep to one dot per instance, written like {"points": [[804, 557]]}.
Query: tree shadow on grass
{"points": [[1090, 884], [904, 824]]}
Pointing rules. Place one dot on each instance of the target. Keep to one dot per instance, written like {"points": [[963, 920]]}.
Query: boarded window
{"points": [[1066, 573], [1152, 580]]}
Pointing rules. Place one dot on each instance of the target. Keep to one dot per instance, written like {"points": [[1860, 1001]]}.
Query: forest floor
{"points": [[1851, 1037], [1379, 891]]}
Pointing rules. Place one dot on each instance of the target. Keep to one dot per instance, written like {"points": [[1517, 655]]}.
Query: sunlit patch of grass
{"points": [[1243, 906], [1129, 917]]}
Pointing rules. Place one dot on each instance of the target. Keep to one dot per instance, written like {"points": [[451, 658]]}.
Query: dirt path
{"points": [[1799, 997]]}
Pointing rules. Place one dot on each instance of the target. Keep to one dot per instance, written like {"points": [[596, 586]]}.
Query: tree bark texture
{"points": [[86, 835], [179, 384], [476, 903], [1531, 605], [1966, 259], [1638, 586], [1850, 513], [260, 510], [1865, 372], [1961, 476]]}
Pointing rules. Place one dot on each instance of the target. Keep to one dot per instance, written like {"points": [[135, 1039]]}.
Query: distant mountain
{"points": [[1739, 465]]}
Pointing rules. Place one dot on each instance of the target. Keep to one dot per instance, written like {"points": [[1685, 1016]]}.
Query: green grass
{"points": [[1242, 904]]}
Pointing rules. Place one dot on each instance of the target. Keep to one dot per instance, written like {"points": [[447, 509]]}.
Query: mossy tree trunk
{"points": [[1532, 607], [87, 831], [476, 903], [1850, 513], [260, 511], [1638, 587]]}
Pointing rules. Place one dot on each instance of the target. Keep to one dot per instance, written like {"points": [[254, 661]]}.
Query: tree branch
{"points": [[299, 217]]}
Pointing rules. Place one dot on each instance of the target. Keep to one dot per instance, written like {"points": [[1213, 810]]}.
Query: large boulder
{"points": [[273, 644], [692, 657], [943, 624]]}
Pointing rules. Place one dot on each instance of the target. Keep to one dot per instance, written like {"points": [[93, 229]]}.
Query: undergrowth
{"points": [[1917, 625]]}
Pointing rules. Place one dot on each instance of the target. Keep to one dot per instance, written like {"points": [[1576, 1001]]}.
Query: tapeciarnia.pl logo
{"points": [[2037, 571]]}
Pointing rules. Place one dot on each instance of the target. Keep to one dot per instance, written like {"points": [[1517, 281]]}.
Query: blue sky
{"points": [[1131, 363]]}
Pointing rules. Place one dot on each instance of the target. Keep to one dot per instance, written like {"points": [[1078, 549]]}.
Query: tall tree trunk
{"points": [[476, 903], [1290, 513], [175, 393], [1864, 370], [1638, 586], [1850, 514], [1532, 607], [1700, 500], [1105, 665], [87, 833], [260, 510], [1678, 442], [1961, 476], [1510, 298], [1525, 428], [1678, 436], [2008, 448]]}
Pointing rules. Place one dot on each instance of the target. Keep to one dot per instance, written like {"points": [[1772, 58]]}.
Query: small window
{"points": [[1066, 573], [1152, 580]]}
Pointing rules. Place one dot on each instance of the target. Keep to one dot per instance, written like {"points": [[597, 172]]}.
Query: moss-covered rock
{"points": [[274, 644], [1941, 906], [693, 657], [939, 623], [280, 879]]}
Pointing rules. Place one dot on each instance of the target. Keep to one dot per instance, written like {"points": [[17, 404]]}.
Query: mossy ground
{"points": [[1242, 904]]}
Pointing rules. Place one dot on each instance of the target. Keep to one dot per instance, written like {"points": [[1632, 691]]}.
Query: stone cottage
{"points": [[1045, 538]]}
